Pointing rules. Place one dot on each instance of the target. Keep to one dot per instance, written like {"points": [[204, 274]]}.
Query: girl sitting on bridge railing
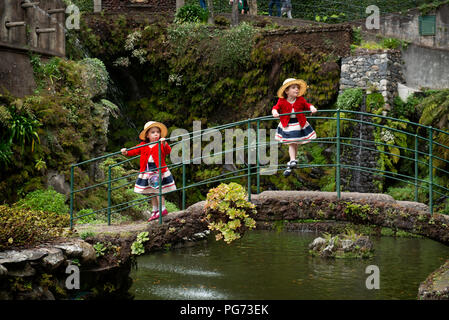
{"points": [[148, 179], [293, 129]]}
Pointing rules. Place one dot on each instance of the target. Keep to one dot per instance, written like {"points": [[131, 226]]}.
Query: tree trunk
{"points": [[210, 7], [252, 7], [235, 13], [179, 4]]}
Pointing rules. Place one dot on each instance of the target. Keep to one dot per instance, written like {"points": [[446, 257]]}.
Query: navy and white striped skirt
{"points": [[148, 181], [294, 133]]}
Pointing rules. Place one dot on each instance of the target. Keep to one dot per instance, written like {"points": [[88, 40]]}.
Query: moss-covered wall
{"points": [[180, 73], [62, 123]]}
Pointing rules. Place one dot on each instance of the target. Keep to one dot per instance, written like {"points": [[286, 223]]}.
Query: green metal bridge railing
{"points": [[420, 157]]}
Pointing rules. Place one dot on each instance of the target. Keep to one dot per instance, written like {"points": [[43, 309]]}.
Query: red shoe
{"points": [[154, 216], [164, 212]]}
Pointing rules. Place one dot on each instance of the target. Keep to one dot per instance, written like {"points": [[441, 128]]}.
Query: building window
{"points": [[427, 25]]}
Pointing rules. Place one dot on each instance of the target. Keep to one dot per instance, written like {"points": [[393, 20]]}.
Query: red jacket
{"points": [[283, 106], [151, 150]]}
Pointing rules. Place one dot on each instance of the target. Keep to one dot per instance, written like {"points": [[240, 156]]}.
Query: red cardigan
{"points": [[283, 106], [151, 150]]}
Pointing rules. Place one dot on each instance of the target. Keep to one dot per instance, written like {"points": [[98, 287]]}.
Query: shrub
{"points": [[88, 218], [191, 13], [46, 200], [407, 193], [83, 5], [350, 99], [20, 226], [391, 43], [228, 211], [357, 36]]}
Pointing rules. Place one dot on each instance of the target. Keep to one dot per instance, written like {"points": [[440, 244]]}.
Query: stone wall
{"points": [[335, 40], [358, 155], [37, 29], [425, 67], [41, 273], [405, 26], [380, 70], [16, 73]]}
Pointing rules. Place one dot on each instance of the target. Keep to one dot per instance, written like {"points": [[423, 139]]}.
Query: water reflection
{"points": [[270, 265], [177, 269], [174, 293]]}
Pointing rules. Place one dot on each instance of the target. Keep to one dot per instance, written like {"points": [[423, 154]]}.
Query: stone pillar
{"points": [[252, 7], [381, 71], [179, 4]]}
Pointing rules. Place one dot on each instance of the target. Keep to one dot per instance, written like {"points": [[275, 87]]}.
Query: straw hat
{"points": [[288, 82], [153, 124]]}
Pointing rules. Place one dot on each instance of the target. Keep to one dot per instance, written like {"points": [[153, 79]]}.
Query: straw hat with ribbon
{"points": [[153, 124], [288, 82]]}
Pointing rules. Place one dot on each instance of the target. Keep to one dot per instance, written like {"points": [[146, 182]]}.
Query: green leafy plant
{"points": [[228, 211], [333, 18], [391, 43], [137, 247], [356, 35], [86, 234], [100, 249], [88, 217], [191, 13], [21, 226], [350, 99], [47, 200]]}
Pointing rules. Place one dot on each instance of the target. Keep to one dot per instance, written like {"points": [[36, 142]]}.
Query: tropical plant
{"points": [[23, 130], [228, 211], [435, 113], [435, 109], [137, 247]]}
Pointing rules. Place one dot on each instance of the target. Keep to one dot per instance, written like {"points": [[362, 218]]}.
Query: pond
{"points": [[276, 266]]}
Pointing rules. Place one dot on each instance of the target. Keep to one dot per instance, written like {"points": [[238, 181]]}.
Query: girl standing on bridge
{"points": [[148, 179], [293, 129]]}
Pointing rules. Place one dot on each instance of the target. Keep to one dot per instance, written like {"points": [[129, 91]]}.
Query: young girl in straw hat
{"points": [[148, 179], [293, 129]]}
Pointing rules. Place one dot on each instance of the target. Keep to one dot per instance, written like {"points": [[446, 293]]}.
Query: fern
{"points": [[435, 113], [5, 116], [435, 109], [112, 108]]}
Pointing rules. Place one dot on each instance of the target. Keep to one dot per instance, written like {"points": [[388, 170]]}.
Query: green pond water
{"points": [[276, 266]]}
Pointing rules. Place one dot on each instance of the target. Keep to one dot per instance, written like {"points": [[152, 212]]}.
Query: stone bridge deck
{"points": [[275, 205]]}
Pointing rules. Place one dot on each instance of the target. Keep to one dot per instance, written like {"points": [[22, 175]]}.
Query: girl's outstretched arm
{"points": [[275, 110], [133, 152], [165, 147], [308, 106]]}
